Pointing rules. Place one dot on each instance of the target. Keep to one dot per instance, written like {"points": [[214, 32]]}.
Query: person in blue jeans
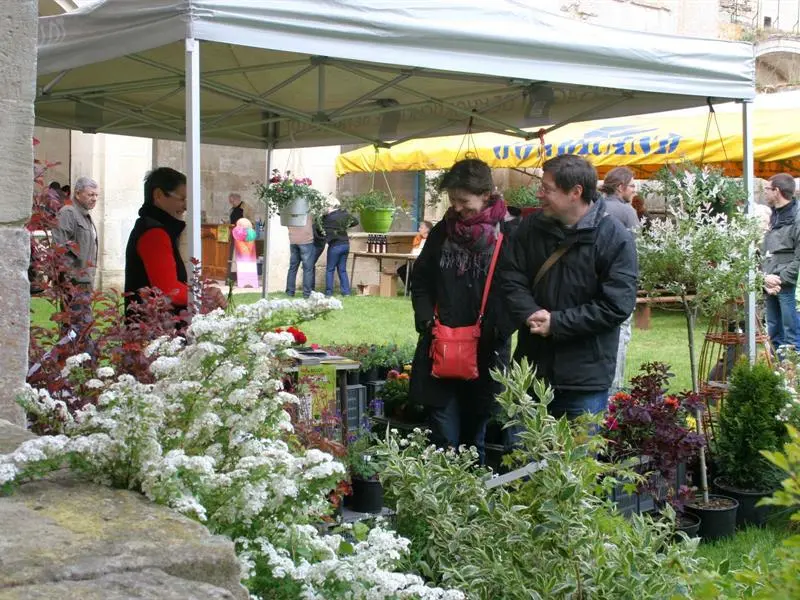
{"points": [[569, 278], [781, 252], [301, 251], [336, 223]]}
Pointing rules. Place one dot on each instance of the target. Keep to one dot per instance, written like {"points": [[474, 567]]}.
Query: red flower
{"points": [[393, 374], [612, 424], [672, 402]]}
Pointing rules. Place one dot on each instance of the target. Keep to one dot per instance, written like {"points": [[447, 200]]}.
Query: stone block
{"points": [[150, 584], [14, 318], [12, 436], [63, 534]]}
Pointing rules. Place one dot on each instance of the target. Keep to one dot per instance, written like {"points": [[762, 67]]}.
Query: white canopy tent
{"points": [[269, 73]]}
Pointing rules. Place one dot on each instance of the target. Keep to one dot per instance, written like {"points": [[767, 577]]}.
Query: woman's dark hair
{"points": [[428, 224], [619, 176], [163, 178], [470, 174], [569, 170]]}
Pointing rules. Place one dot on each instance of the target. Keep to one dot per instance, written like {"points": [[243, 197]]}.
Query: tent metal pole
{"points": [[748, 169], [193, 192], [267, 227]]}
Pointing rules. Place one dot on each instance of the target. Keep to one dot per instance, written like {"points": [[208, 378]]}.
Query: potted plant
{"points": [[700, 253], [293, 198], [376, 210], [364, 464], [748, 425], [523, 197], [652, 426]]}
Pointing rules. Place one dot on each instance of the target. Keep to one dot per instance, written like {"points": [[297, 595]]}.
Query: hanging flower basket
{"points": [[377, 220], [292, 198], [295, 213]]}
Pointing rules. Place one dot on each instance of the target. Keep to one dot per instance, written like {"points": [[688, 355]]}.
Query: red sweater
{"points": [[155, 249]]}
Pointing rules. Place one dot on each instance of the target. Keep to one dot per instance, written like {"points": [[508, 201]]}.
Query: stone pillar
{"points": [[18, 30]]}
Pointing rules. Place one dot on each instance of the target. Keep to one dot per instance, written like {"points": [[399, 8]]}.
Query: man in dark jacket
{"points": [[781, 254], [569, 278]]}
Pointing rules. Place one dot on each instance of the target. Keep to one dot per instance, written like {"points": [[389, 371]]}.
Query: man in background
{"points": [[781, 261], [77, 233]]}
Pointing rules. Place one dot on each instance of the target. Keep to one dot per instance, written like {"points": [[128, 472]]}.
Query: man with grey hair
{"points": [[76, 231]]}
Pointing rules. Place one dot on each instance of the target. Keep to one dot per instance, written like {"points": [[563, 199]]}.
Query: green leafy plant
{"points": [[371, 200], [363, 459], [435, 196], [522, 196], [550, 534], [748, 425]]}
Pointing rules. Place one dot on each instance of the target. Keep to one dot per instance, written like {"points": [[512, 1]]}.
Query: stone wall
{"points": [[18, 31], [66, 538]]}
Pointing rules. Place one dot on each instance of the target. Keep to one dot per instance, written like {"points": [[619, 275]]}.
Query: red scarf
{"points": [[469, 240]]}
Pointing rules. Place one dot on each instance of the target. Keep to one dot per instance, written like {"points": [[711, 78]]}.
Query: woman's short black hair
{"points": [[163, 178], [470, 174]]}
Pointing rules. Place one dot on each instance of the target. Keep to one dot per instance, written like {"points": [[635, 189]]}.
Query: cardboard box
{"points": [[388, 285], [369, 290]]}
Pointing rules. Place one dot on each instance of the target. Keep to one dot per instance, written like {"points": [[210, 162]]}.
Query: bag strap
{"points": [[551, 260], [488, 285]]}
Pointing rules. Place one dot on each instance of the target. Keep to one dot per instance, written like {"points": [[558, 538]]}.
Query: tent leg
{"points": [[267, 227], [193, 193], [748, 170]]}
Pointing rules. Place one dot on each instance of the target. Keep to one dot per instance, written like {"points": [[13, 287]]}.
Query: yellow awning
{"points": [[644, 143]]}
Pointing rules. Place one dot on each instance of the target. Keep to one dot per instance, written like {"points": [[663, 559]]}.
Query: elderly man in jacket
{"points": [[781, 252], [569, 278], [77, 232]]}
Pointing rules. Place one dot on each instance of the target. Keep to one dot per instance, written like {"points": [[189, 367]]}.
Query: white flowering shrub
{"points": [[703, 252], [211, 438]]}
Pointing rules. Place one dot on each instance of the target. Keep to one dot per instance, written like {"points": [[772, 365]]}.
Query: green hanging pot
{"points": [[377, 220]]}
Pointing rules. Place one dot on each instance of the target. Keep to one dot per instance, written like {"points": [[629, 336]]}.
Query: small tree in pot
{"points": [[703, 252], [748, 425]]}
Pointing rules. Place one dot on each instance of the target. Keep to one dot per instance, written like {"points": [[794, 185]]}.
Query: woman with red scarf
{"points": [[448, 280]]}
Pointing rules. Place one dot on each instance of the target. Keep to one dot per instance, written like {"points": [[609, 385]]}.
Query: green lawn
{"points": [[369, 319]]}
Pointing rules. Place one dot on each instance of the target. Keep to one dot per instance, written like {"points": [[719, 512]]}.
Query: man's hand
{"points": [[772, 281], [539, 322]]}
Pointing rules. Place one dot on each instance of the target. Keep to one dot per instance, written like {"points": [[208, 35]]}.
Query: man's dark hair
{"points": [[784, 183], [428, 224], [470, 174], [54, 185], [163, 178], [569, 170]]}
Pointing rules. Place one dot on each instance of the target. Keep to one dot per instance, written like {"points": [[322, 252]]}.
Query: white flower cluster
{"points": [[365, 569], [208, 438]]}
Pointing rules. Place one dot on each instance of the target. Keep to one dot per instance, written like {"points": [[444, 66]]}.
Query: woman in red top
{"points": [[152, 257]]}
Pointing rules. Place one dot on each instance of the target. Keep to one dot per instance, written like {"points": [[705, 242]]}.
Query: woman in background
{"points": [[153, 257], [336, 223]]}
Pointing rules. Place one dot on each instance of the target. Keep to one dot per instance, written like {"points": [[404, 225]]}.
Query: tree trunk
{"points": [[691, 319]]}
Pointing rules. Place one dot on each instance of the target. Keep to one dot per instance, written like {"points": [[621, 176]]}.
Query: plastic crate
{"points": [[356, 408]]}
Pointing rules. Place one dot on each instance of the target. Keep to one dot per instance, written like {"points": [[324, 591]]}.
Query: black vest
{"points": [[150, 217]]}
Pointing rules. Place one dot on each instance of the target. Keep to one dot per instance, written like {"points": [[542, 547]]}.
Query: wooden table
{"points": [[380, 256]]}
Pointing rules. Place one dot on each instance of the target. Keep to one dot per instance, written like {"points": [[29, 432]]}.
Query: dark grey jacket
{"points": [[75, 225], [781, 247], [589, 292]]}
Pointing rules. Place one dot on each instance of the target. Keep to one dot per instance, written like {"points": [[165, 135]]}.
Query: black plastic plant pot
{"points": [[748, 513], [367, 496], [368, 375], [717, 519], [688, 523]]}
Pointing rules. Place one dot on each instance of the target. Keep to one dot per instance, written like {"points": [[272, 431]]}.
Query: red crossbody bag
{"points": [[454, 350]]}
